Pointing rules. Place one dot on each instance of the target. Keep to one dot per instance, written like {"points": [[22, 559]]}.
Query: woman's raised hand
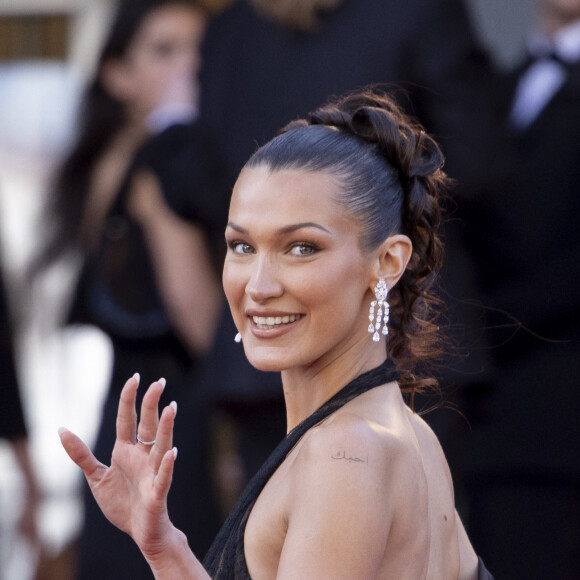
{"points": [[132, 492]]}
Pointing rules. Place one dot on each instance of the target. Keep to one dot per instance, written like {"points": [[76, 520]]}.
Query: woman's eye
{"points": [[241, 248], [303, 249]]}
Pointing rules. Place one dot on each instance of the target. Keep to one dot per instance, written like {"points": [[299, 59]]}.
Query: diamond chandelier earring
{"points": [[381, 292]]}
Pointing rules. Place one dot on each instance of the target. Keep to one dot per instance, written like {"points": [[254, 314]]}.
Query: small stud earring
{"points": [[238, 337], [381, 292]]}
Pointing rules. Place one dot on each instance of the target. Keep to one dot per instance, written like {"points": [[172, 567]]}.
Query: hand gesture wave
{"points": [[132, 492]]}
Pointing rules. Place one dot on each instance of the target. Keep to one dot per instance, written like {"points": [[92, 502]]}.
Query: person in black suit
{"points": [[520, 463]]}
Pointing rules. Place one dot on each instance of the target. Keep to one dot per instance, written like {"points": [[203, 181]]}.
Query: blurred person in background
{"points": [[269, 61], [519, 459], [147, 278]]}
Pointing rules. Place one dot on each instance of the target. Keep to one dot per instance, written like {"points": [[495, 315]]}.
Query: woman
{"points": [[147, 278], [332, 224], [144, 79]]}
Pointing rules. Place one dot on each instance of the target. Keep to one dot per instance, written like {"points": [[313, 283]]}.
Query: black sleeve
{"points": [[185, 160]]}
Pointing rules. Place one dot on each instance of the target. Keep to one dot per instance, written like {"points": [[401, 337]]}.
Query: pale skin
{"points": [[365, 494]]}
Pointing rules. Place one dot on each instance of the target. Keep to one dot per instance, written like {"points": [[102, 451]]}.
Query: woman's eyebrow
{"points": [[299, 226], [237, 228], [285, 230]]}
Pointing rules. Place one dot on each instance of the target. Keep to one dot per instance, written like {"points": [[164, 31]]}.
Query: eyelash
{"points": [[312, 248], [234, 243]]}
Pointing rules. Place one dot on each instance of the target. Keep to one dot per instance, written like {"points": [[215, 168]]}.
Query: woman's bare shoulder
{"points": [[385, 454], [352, 483]]}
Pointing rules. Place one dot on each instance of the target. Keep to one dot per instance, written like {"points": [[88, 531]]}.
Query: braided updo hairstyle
{"points": [[392, 182]]}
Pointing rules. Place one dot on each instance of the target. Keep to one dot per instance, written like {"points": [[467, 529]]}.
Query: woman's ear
{"points": [[392, 259]]}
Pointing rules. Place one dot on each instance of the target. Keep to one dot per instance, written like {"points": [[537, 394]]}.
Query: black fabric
{"points": [[12, 423], [185, 160], [226, 559], [522, 232], [258, 76], [482, 571], [517, 452]]}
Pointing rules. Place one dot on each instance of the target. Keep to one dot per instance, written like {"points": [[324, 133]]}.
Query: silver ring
{"points": [[148, 443]]}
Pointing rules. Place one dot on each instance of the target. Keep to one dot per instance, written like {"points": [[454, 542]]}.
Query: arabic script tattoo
{"points": [[341, 455]]}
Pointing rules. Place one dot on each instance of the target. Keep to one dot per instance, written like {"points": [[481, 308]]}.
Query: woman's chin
{"points": [[267, 362], [267, 366]]}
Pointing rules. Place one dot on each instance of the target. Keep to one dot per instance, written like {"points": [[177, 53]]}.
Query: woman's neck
{"points": [[308, 388]]}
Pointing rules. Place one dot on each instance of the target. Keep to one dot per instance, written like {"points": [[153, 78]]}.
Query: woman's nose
{"points": [[264, 282]]}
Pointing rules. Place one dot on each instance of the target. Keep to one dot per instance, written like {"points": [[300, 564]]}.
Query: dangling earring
{"points": [[381, 292], [238, 338]]}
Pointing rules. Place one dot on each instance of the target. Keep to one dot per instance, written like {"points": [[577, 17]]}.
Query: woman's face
{"points": [[162, 62], [296, 281]]}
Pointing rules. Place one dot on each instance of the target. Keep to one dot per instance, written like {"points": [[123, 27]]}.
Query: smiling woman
{"points": [[290, 249], [332, 226]]}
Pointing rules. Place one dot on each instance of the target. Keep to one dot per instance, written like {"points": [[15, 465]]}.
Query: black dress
{"points": [[226, 559]]}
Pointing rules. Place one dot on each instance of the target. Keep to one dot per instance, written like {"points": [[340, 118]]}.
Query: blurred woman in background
{"points": [[147, 278]]}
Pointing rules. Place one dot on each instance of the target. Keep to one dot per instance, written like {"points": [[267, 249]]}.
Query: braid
{"points": [[414, 305], [394, 183]]}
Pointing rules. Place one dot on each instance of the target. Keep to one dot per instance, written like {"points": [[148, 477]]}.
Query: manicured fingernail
{"points": [[137, 377], [174, 452], [61, 430], [162, 382], [174, 405]]}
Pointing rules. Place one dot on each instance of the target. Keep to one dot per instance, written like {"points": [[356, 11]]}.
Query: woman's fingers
{"points": [[126, 415], [81, 455], [149, 420], [165, 474], [164, 436]]}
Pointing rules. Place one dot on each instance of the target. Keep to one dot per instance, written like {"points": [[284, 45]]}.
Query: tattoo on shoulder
{"points": [[342, 456]]}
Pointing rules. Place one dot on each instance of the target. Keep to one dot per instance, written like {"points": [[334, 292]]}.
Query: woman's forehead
{"points": [[286, 196], [260, 183]]}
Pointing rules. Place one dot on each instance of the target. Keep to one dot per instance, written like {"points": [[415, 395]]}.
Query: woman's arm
{"points": [[339, 516], [467, 557], [132, 492], [190, 287]]}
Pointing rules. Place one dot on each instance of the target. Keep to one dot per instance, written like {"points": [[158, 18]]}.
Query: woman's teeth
{"points": [[268, 322]]}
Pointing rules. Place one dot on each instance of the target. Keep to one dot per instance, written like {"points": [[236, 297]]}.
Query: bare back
{"points": [[353, 498]]}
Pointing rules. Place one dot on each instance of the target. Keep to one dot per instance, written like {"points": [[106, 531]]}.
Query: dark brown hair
{"points": [[393, 182]]}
